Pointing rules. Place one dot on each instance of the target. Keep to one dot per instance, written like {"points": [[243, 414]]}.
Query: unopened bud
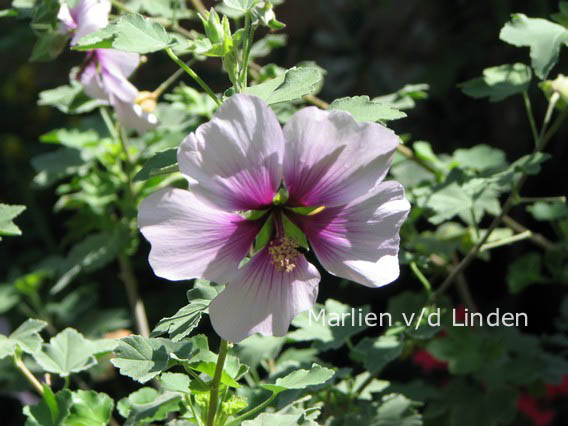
{"points": [[559, 86], [146, 100]]}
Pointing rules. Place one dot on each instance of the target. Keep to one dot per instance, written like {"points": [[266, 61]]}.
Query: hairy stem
{"points": [[28, 374], [199, 6], [246, 50], [193, 75], [214, 392], [530, 115], [136, 303]]}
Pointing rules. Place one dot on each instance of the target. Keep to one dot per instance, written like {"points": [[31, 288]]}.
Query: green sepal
{"points": [[254, 214], [307, 211], [264, 235], [281, 196], [292, 231]]}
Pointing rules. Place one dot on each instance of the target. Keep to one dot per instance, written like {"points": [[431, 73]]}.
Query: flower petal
{"points": [[234, 160], [117, 85], [260, 299], [360, 241], [89, 16], [132, 116], [92, 82], [331, 159], [118, 62], [192, 240]]}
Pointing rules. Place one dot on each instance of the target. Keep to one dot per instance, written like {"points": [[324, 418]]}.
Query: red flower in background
{"points": [[527, 405], [427, 362], [557, 390]]}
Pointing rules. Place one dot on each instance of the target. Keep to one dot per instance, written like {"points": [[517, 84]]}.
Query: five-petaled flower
{"points": [[323, 173], [104, 74]]}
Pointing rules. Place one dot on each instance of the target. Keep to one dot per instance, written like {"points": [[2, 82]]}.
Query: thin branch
{"points": [[199, 6], [193, 75], [214, 392], [537, 239], [136, 303], [28, 374], [544, 138]]}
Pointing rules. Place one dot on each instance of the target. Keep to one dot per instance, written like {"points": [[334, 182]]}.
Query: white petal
{"points": [[260, 299], [331, 159], [360, 241], [234, 160], [192, 240]]}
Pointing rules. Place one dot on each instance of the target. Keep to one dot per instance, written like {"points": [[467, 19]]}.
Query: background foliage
{"points": [[66, 268]]}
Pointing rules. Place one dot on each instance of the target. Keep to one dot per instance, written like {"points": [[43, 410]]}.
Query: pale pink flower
{"points": [[238, 162], [105, 73]]}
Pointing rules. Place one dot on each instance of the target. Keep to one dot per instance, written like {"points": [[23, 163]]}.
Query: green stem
{"points": [[28, 374], [544, 138], [170, 80], [237, 420], [558, 199], [214, 392], [246, 51], [530, 115], [421, 277], [109, 123], [506, 241], [193, 75], [136, 302]]}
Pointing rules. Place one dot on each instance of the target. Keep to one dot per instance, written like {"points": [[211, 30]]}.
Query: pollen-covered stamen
{"points": [[283, 252]]}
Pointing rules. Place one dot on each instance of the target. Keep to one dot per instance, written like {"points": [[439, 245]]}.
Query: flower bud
{"points": [[560, 86], [146, 100]]}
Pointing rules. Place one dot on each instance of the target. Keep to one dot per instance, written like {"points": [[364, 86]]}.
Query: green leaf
{"points": [[69, 352], [499, 83], [7, 13], [398, 410], [147, 405], [480, 158], [142, 358], [525, 271], [55, 165], [543, 37], [26, 337], [187, 318], [293, 84], [48, 46], [455, 199], [265, 45], [548, 211], [271, 419], [69, 99], [300, 379], [325, 326], [90, 409], [257, 348], [240, 5], [205, 361], [94, 252], [131, 33], [467, 350], [41, 414], [174, 382], [9, 298], [160, 164], [7, 213], [406, 97], [377, 353], [363, 109]]}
